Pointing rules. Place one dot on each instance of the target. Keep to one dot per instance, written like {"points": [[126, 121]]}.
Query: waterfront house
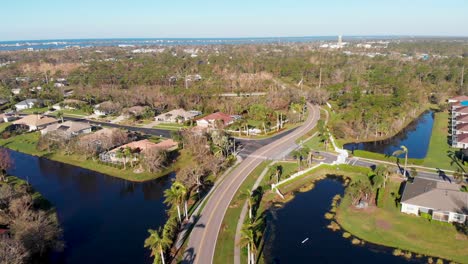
{"points": [[215, 119], [458, 99], [136, 148], [442, 200], [68, 129], [460, 129], [26, 104], [177, 116], [3, 101], [35, 122]]}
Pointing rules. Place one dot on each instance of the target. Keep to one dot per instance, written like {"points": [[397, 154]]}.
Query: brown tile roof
{"points": [[35, 120], [439, 196]]}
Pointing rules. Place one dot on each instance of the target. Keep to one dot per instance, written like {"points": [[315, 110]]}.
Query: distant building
{"points": [[442, 200]]}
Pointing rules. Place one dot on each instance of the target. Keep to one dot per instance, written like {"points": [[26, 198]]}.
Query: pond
{"points": [[416, 137], [303, 218], [105, 219]]}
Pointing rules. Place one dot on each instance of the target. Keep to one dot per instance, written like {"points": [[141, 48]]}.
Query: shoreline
{"points": [[309, 184], [342, 142], [162, 174]]}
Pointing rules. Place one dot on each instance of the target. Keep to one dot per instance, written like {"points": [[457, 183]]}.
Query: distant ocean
{"points": [[152, 42]]}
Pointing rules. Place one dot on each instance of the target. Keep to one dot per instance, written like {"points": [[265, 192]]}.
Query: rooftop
{"points": [[439, 196]]}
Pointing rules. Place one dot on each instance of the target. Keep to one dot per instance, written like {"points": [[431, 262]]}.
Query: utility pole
{"points": [[320, 78], [462, 76]]}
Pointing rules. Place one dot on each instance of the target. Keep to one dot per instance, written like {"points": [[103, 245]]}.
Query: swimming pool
{"points": [[464, 103]]}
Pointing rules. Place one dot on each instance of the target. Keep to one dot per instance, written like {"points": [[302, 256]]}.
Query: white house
{"points": [[177, 115], [26, 104], [442, 200]]}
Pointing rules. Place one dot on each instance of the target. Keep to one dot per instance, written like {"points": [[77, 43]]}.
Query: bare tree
{"points": [[5, 163], [154, 160]]}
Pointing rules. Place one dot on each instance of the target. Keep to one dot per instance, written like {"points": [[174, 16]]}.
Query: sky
{"points": [[72, 19]]}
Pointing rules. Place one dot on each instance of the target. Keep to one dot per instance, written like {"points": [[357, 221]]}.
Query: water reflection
{"points": [[105, 219], [302, 218], [416, 137]]}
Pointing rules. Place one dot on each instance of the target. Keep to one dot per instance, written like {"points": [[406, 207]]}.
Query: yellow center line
{"points": [[210, 217]]}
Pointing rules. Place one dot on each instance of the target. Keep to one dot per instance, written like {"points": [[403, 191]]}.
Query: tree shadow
{"points": [[443, 176]]}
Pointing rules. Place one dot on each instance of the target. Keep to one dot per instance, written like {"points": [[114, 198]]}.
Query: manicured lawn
{"points": [[224, 252], [387, 226], [380, 156], [437, 154], [170, 126], [35, 110], [71, 112], [314, 143]]}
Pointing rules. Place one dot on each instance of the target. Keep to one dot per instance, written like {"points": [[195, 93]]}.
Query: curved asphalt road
{"points": [[202, 242]]}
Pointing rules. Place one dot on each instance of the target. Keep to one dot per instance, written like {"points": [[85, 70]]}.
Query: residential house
{"points": [[68, 104], [35, 122], [137, 147], [3, 101], [458, 99], [16, 91], [442, 200], [68, 129], [177, 116], [460, 129], [26, 104], [460, 141], [215, 119]]}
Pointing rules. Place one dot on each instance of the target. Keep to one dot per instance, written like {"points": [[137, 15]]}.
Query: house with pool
{"points": [[442, 200]]}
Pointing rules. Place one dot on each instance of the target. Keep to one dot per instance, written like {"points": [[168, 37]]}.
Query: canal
{"points": [[303, 218], [104, 219], [416, 137]]}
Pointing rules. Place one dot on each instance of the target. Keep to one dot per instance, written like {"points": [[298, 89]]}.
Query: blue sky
{"points": [[57, 19]]}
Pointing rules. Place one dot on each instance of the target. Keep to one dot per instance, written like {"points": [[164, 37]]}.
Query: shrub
{"points": [[397, 252], [426, 216], [329, 216], [346, 235], [356, 241]]}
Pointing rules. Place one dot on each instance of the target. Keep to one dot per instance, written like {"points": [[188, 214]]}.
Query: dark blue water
{"points": [[302, 218], [83, 43], [105, 219], [416, 137]]}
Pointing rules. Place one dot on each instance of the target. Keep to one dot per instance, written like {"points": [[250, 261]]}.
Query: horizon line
{"points": [[247, 37]]}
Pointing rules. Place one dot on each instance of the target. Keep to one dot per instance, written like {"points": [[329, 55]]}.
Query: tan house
{"points": [[442, 200], [35, 122], [137, 147], [68, 129]]}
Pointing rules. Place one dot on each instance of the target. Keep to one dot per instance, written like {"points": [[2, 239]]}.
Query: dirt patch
{"points": [[382, 224], [461, 237]]}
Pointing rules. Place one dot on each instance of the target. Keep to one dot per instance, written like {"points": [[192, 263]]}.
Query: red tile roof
{"points": [[463, 138], [460, 98], [462, 118], [462, 127], [463, 109], [218, 116]]}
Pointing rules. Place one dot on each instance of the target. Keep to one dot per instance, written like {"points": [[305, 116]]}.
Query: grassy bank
{"points": [[26, 143], [383, 157], [389, 227], [439, 148]]}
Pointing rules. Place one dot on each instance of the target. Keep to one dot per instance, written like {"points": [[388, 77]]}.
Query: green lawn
{"points": [[314, 143], [170, 126], [388, 226], [224, 252], [438, 147], [380, 156], [35, 110], [27, 142], [71, 112]]}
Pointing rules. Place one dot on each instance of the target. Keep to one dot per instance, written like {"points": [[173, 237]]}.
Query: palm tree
{"points": [[128, 153], [404, 150], [298, 156], [383, 171], [60, 115], [173, 198], [250, 202], [157, 243], [121, 155], [458, 176], [182, 191], [248, 239]]}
